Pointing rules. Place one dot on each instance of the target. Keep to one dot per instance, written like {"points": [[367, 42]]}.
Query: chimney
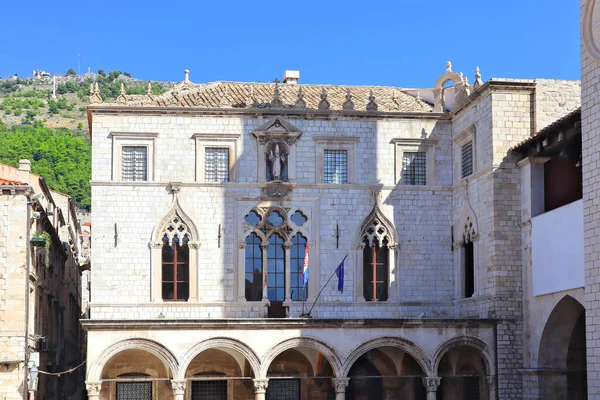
{"points": [[291, 77], [24, 170]]}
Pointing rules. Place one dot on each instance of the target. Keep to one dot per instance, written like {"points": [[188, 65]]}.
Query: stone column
{"points": [[178, 387], [340, 385], [93, 390], [491, 383], [260, 388], [431, 385]]}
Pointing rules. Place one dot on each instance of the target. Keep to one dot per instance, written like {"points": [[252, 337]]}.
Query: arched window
{"points": [[375, 270], [175, 269], [469, 236], [254, 270], [378, 243], [276, 268], [298, 291]]}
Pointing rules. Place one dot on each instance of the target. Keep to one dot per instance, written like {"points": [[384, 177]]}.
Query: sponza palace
{"points": [[207, 199]]}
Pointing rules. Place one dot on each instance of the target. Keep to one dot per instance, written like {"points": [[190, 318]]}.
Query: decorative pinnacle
{"points": [[348, 95], [149, 90], [449, 66], [418, 95], [122, 91], [478, 82], [477, 73], [96, 89], [187, 75], [323, 93]]}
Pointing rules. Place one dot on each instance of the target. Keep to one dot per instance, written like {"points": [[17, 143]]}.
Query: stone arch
{"points": [[438, 88], [177, 218], [157, 349], [312, 343], [220, 343], [403, 344], [377, 218], [467, 227], [468, 341]]}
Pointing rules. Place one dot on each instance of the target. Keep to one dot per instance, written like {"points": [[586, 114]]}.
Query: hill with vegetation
{"points": [[53, 133]]}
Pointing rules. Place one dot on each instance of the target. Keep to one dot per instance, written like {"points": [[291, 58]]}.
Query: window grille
{"points": [[217, 165], [335, 166], [209, 390], [134, 165], [467, 160], [283, 389], [413, 168], [134, 390]]}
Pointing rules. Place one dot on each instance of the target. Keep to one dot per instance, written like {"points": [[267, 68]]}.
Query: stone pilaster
{"points": [[178, 387], [260, 388], [431, 384], [340, 385]]}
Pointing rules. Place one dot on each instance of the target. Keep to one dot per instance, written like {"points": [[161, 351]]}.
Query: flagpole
{"points": [[307, 315]]}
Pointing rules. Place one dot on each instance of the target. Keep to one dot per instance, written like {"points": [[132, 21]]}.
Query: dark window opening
{"points": [[134, 391], [466, 153], [283, 389], [414, 168], [375, 272], [254, 270], [175, 270], [469, 266], [563, 183], [209, 390]]}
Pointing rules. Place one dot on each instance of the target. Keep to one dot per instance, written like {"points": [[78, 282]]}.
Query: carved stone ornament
{"points": [[241, 245], [260, 385], [490, 380], [300, 102], [431, 383], [340, 384], [371, 105], [348, 104], [478, 81], [276, 102], [277, 128], [95, 97], [121, 99], [93, 388], [178, 386], [276, 189], [324, 104]]}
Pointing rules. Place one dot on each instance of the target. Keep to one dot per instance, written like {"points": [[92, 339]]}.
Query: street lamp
{"points": [[33, 378]]}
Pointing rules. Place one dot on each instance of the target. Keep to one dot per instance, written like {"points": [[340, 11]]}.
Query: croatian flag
{"points": [[339, 271], [305, 267]]}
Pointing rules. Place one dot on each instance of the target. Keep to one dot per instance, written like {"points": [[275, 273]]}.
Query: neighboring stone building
{"points": [[204, 200], [48, 245]]}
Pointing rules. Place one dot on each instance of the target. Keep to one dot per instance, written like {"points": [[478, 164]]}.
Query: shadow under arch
{"points": [[147, 345], [294, 343], [224, 344], [467, 341], [403, 344]]}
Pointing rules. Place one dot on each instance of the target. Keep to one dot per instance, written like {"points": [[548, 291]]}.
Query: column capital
{"points": [[178, 386], [340, 384], [260, 385], [93, 388], [431, 383]]}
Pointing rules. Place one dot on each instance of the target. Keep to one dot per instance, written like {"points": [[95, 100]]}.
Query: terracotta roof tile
{"points": [[261, 95]]}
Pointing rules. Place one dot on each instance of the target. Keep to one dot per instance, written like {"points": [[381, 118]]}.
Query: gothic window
{"points": [[216, 167], [298, 291], [175, 267], [274, 254], [468, 259], [134, 163], [378, 243], [276, 268], [414, 168], [466, 152], [335, 166]]}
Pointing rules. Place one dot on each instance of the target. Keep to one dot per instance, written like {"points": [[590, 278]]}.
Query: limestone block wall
{"points": [[554, 99], [12, 292]]}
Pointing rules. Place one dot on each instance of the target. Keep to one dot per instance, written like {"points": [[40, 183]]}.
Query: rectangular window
{"points": [[414, 170], [134, 163], [209, 390], [335, 166], [466, 160], [216, 164], [134, 391]]}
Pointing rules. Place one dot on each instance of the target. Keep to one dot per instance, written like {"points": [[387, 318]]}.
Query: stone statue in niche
{"points": [[278, 165]]}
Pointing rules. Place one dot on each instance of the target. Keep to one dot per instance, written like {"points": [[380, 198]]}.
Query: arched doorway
{"points": [[562, 354], [219, 374], [463, 372], [300, 373], [385, 373], [135, 374]]}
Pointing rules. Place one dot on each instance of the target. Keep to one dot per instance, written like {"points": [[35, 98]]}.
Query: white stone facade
{"points": [[433, 225]]}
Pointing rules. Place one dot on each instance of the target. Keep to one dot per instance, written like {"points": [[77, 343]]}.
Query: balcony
{"points": [[557, 249]]}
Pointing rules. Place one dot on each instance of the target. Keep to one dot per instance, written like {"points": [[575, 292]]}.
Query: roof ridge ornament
{"points": [[121, 99], [371, 105], [324, 104], [348, 104], [300, 102], [478, 81], [149, 89], [276, 102], [449, 66], [95, 97], [418, 95], [186, 79]]}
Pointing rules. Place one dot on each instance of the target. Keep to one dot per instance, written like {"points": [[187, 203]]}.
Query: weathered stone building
{"points": [[205, 199], [39, 310]]}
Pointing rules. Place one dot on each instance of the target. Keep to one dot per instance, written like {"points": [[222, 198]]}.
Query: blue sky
{"points": [[402, 43]]}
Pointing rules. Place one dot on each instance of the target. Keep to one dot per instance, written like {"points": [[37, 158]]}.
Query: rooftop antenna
{"points": [[78, 64]]}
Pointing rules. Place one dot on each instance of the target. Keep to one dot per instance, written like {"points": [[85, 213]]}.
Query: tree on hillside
{"points": [[61, 157], [71, 72]]}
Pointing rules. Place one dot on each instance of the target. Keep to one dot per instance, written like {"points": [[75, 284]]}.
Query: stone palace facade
{"points": [[206, 199]]}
